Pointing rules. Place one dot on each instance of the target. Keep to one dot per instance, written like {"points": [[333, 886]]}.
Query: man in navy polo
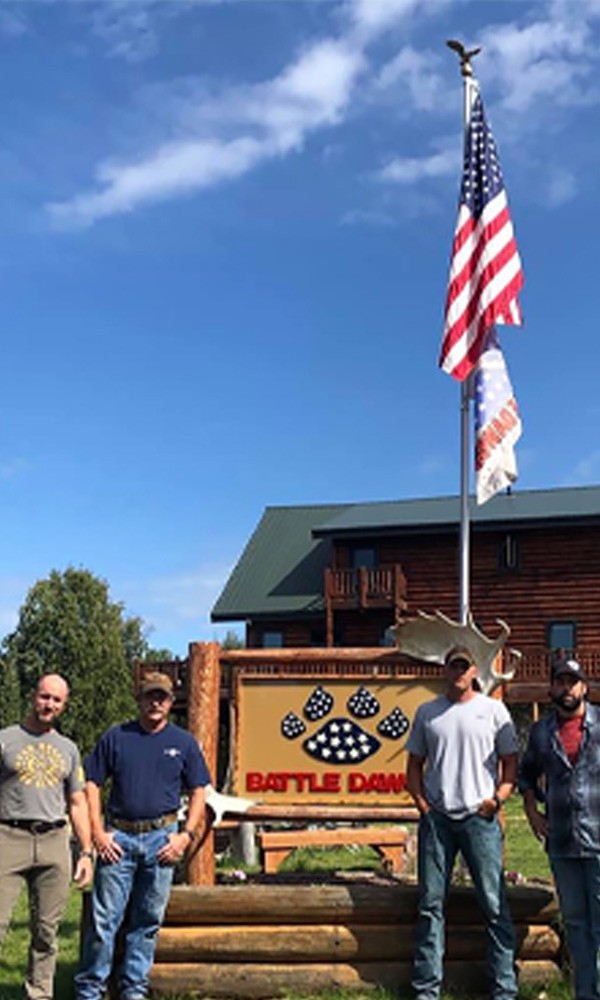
{"points": [[149, 762]]}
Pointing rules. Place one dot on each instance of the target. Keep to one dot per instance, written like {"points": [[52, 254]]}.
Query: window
{"points": [[272, 640], [363, 557], [508, 557], [562, 635]]}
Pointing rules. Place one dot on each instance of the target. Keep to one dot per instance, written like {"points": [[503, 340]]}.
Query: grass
{"points": [[13, 956], [523, 855]]}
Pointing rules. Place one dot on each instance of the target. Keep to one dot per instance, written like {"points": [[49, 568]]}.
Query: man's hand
{"points": [[488, 808], [538, 824], [173, 851], [84, 872], [108, 850]]}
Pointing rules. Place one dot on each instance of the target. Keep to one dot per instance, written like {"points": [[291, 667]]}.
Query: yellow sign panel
{"points": [[331, 741]]}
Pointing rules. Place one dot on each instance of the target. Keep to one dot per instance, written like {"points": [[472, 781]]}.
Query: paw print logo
{"points": [[341, 740]]}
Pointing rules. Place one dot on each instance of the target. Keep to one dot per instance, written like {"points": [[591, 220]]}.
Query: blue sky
{"points": [[224, 242]]}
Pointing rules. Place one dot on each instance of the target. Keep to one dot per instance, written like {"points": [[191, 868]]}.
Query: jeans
{"points": [[479, 840], [139, 880], [578, 885]]}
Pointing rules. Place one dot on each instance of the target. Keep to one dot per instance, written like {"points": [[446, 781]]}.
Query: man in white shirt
{"points": [[462, 767]]}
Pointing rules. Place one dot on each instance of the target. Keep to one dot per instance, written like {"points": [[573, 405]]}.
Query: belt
{"points": [[34, 825], [142, 825]]}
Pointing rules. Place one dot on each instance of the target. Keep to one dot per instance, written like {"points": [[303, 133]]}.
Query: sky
{"points": [[225, 231]]}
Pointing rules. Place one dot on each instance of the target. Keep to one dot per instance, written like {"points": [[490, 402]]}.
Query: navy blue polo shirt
{"points": [[148, 771]]}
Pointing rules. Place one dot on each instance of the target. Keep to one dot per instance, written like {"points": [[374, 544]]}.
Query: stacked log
{"points": [[265, 941]]}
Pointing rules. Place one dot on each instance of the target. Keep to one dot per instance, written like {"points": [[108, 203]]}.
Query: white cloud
{"points": [[271, 119], [414, 73], [204, 137], [561, 187], [126, 29], [367, 217], [179, 604], [13, 590], [411, 169], [432, 465], [544, 59], [371, 17], [12, 22], [587, 469]]}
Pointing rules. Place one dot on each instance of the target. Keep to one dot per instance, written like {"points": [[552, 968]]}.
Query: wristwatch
{"points": [[87, 854], [498, 801], [191, 834]]}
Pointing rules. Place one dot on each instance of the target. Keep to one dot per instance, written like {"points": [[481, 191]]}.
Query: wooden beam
{"points": [[341, 904], [253, 982], [333, 943], [203, 723]]}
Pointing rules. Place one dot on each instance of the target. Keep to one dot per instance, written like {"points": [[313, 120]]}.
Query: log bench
{"points": [[391, 843]]}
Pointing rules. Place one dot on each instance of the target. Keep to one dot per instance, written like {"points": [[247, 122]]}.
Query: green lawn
{"points": [[13, 956], [524, 855]]}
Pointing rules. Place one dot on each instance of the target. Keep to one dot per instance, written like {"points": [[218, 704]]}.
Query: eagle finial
{"points": [[465, 55]]}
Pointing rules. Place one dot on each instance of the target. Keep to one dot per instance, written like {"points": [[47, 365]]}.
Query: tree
{"points": [[10, 703], [232, 640], [69, 625]]}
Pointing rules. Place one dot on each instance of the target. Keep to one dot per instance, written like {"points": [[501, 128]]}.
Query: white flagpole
{"points": [[469, 89]]}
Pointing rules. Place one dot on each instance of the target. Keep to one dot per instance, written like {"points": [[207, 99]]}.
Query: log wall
{"points": [[261, 941], [557, 577]]}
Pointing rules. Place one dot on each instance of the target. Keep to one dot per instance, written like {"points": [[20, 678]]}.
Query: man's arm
{"points": [[537, 821], [507, 779], [529, 777], [104, 841], [194, 827], [414, 782], [80, 819]]}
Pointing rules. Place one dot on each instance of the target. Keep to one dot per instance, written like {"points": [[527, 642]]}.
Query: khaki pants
{"points": [[42, 862]]}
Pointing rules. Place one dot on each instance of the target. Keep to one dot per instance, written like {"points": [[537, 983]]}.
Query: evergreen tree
{"points": [[69, 625]]}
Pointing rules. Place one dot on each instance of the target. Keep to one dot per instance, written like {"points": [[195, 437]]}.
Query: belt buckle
{"points": [[38, 826]]}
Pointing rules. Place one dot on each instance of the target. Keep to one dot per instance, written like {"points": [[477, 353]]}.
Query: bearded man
{"points": [[563, 755]]}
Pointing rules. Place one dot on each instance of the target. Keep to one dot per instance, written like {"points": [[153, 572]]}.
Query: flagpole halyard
{"points": [[469, 86]]}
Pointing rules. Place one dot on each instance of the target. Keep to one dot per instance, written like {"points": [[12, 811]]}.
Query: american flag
{"points": [[485, 270], [497, 423]]}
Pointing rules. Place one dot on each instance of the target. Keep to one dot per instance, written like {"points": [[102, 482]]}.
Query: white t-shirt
{"points": [[461, 743]]}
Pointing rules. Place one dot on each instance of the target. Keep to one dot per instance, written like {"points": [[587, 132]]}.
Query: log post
{"points": [[204, 674]]}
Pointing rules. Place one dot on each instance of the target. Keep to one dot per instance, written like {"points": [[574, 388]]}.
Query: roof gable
{"points": [[281, 569]]}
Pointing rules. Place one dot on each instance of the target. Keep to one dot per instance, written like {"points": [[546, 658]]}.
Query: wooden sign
{"points": [[336, 740]]}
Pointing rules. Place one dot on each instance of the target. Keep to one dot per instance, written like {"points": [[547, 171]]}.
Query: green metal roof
{"points": [[529, 506], [281, 569]]}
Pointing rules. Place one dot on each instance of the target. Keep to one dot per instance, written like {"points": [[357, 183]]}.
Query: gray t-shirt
{"points": [[38, 772], [461, 743]]}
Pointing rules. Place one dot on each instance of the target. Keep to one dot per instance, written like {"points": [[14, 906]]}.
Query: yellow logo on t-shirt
{"points": [[41, 765]]}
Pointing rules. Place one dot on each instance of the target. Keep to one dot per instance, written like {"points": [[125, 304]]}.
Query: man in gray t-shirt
{"points": [[461, 769], [41, 784]]}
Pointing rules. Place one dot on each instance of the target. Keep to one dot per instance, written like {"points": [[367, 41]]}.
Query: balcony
{"points": [[362, 588]]}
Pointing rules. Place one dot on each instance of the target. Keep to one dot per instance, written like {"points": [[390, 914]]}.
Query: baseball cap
{"points": [[155, 681], [568, 666], [458, 653]]}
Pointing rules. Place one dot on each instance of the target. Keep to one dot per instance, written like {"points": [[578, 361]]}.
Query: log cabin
{"points": [[340, 574]]}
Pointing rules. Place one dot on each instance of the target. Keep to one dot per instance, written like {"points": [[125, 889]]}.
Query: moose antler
{"points": [[430, 637]]}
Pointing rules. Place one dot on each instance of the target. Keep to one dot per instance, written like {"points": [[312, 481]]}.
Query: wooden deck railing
{"points": [[380, 586], [533, 672]]}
